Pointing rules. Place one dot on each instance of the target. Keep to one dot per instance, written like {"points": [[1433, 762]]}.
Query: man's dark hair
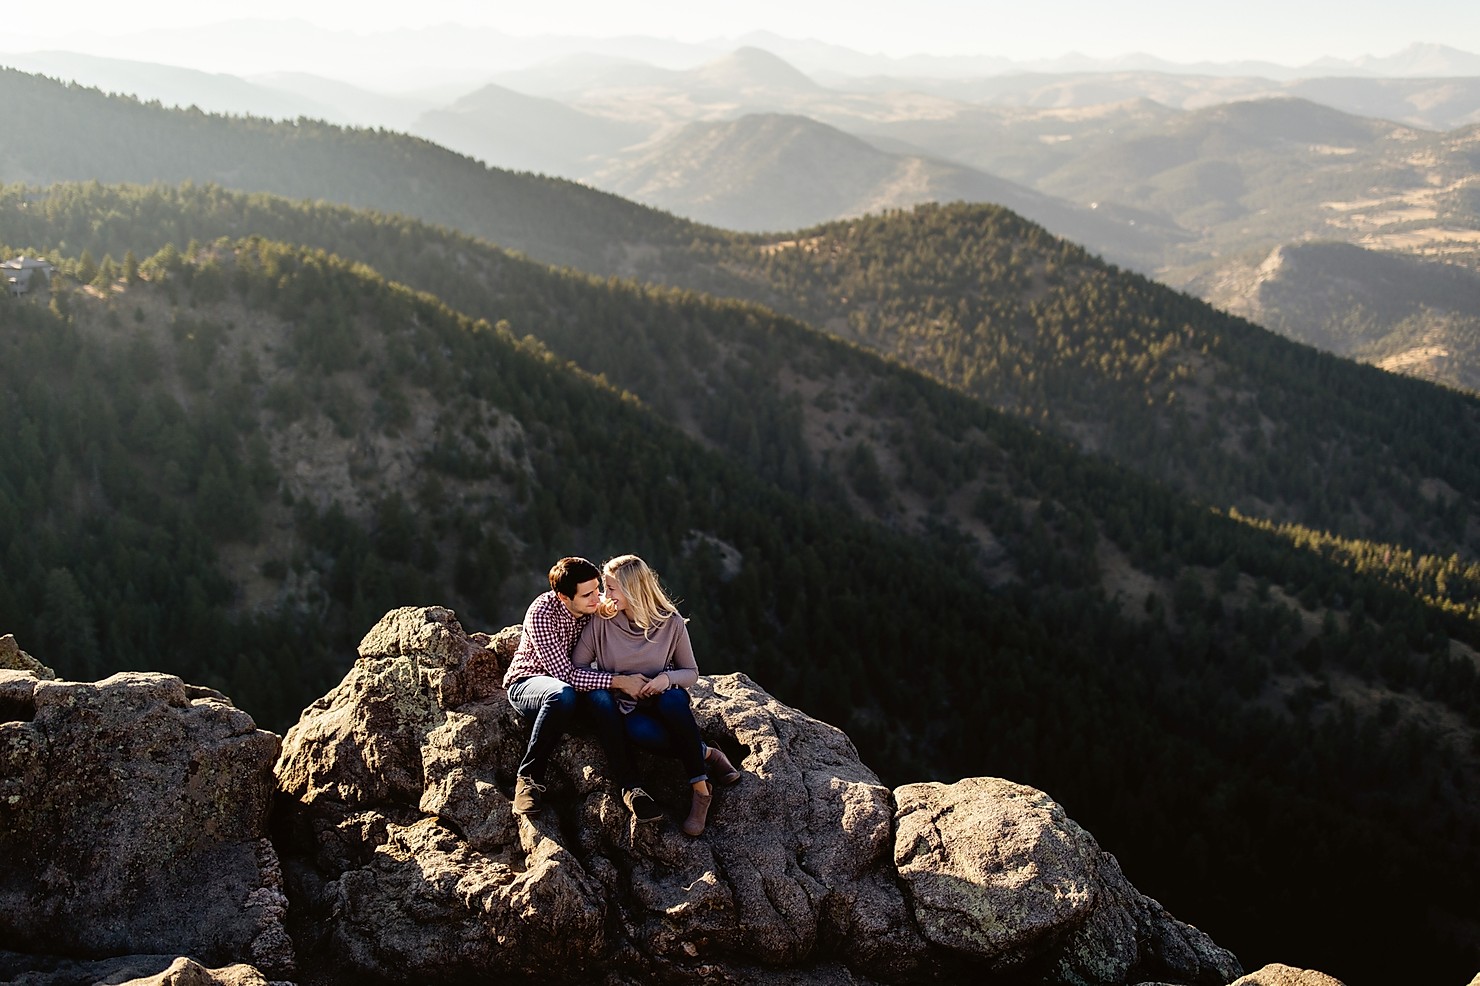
{"points": [[568, 573]]}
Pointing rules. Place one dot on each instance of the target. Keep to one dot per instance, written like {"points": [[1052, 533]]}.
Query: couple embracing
{"points": [[624, 659]]}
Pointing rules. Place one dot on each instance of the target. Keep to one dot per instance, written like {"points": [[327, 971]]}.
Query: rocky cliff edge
{"points": [[149, 832]]}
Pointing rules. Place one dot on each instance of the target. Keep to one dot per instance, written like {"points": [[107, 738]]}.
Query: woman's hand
{"points": [[631, 685], [656, 686]]}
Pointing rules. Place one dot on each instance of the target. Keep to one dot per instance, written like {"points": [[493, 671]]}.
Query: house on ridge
{"points": [[21, 273]]}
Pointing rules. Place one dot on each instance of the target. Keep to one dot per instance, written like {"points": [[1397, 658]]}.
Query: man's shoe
{"points": [[719, 767], [527, 793], [643, 807]]}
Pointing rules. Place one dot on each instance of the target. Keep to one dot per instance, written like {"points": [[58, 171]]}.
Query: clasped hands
{"points": [[640, 686]]}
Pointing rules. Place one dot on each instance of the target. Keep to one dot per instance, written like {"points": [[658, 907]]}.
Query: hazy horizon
{"points": [[170, 31]]}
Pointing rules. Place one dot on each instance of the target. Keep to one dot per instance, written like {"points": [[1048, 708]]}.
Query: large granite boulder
{"points": [[133, 819], [409, 865], [997, 871], [406, 863]]}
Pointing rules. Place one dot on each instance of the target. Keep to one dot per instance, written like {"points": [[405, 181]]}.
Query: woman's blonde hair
{"points": [[648, 606]]}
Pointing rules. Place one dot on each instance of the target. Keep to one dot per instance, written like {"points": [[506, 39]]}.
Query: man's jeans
{"points": [[550, 704]]}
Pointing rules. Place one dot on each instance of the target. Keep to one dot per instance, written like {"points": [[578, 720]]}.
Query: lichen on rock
{"points": [[133, 819], [793, 868]]}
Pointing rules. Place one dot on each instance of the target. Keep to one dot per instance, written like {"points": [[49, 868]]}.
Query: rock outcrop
{"points": [[411, 863], [1284, 975], [136, 845], [133, 820], [130, 970], [998, 871], [406, 863], [12, 658]]}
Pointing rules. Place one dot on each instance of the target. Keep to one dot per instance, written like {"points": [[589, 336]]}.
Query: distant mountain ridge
{"points": [[777, 172], [1399, 312], [750, 67], [507, 129], [171, 86], [1415, 61], [115, 138], [308, 77], [441, 52]]}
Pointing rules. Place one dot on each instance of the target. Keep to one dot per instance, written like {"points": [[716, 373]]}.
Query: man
{"points": [[542, 683]]}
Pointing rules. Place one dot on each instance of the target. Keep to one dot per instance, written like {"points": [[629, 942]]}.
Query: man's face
{"points": [[583, 603]]}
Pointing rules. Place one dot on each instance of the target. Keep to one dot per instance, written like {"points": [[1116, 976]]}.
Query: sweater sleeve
{"points": [[685, 670], [583, 654]]}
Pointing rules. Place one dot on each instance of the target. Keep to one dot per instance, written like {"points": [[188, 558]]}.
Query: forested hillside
{"points": [[984, 301], [971, 294], [1186, 194], [228, 459], [1231, 413]]}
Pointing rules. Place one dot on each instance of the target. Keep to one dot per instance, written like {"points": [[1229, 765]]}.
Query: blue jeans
{"points": [[663, 724], [549, 703]]}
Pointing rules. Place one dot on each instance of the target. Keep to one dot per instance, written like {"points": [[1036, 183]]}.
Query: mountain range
{"points": [[1149, 387], [778, 172], [1188, 177], [1151, 553], [445, 53], [1427, 86]]}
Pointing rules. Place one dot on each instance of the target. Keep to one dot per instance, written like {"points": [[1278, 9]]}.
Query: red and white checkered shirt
{"points": [[549, 632]]}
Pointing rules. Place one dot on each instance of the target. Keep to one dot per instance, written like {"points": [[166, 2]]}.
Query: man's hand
{"points": [[630, 685], [656, 686]]}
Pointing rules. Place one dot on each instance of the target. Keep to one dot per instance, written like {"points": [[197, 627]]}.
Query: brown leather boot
{"points": [[719, 767], [698, 810], [527, 793]]}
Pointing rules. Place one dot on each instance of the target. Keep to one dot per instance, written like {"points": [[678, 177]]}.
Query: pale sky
{"points": [[1291, 32]]}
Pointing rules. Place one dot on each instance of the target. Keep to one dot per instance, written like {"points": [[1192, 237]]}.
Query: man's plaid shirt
{"points": [[549, 632]]}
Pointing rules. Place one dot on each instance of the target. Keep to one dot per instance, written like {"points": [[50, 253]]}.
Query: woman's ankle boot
{"points": [[698, 810], [719, 766]]}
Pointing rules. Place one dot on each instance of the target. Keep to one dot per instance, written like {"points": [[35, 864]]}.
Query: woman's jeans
{"points": [[549, 703], [663, 724]]}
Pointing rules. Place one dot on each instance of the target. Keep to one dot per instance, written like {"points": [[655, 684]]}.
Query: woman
{"points": [[638, 630]]}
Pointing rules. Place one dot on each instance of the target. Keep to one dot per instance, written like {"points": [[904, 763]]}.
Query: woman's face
{"points": [[614, 593]]}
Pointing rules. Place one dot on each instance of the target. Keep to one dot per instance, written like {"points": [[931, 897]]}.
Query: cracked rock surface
{"points": [[151, 834], [997, 871], [405, 862], [409, 862], [133, 820]]}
